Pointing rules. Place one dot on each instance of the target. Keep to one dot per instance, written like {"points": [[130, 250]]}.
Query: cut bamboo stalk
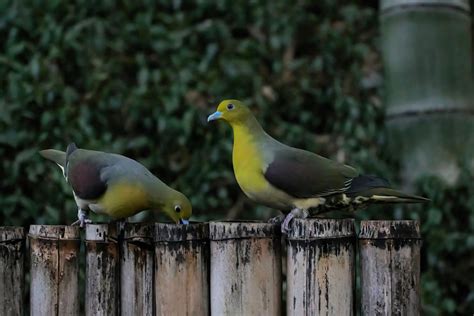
{"points": [[245, 268], [102, 269], [12, 247], [390, 267], [427, 54], [320, 267], [136, 269], [54, 270], [181, 269]]}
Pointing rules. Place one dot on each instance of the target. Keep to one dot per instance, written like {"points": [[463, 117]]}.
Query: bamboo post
{"points": [[136, 270], [390, 267], [181, 269], [12, 246], [54, 288], [245, 268], [102, 269], [320, 267], [427, 54]]}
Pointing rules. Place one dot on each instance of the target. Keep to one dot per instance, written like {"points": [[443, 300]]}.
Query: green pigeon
{"points": [[294, 180], [116, 186]]}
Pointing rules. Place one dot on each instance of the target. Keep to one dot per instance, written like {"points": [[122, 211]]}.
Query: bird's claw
{"points": [[82, 219], [286, 223], [295, 213], [84, 222]]}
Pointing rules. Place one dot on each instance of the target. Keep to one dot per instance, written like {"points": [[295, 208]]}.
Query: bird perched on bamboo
{"points": [[115, 185], [294, 180]]}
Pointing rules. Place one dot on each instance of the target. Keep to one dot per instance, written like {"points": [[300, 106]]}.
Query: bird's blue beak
{"points": [[214, 116], [183, 221]]}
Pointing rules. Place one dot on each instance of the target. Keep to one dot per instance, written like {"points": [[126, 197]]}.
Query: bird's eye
{"points": [[177, 208], [230, 106]]}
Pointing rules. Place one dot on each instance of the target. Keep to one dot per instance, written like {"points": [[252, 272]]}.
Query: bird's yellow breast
{"points": [[124, 199], [248, 163]]}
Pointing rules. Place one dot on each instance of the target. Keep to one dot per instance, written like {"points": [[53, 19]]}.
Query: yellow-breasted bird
{"points": [[294, 180], [115, 185]]}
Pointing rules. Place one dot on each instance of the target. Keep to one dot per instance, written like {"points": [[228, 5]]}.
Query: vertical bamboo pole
{"points": [[390, 267], [426, 50], [102, 269], [245, 268], [12, 246], [182, 269], [136, 270], [320, 267], [54, 286]]}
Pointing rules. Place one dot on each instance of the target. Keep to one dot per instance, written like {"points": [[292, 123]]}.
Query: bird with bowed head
{"points": [[116, 186]]}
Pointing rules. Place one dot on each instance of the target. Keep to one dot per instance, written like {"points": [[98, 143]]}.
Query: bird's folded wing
{"points": [[84, 176], [303, 174]]}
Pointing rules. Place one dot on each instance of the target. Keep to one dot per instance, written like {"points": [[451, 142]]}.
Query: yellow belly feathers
{"points": [[124, 200]]}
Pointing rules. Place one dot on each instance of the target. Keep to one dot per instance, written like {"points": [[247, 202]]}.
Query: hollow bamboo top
{"points": [[320, 228], [392, 4], [174, 232], [10, 233], [242, 230], [402, 229], [101, 232], [60, 232]]}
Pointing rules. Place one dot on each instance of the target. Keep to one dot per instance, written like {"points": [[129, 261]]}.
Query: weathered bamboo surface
{"points": [[390, 267], [181, 275], [220, 268], [54, 270], [245, 268], [136, 269], [320, 267], [102, 269], [12, 247]]}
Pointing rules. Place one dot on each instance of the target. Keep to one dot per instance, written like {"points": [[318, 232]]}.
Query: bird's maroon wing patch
{"points": [[84, 177]]}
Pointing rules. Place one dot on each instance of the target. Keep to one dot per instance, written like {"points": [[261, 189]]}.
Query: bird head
{"points": [[178, 208], [232, 111]]}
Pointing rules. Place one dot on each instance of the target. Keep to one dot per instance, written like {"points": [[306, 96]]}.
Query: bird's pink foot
{"points": [[295, 213], [82, 219]]}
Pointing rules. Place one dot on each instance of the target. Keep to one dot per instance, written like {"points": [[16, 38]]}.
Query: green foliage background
{"points": [[140, 77]]}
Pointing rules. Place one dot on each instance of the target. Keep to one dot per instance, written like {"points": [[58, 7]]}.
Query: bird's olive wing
{"points": [[303, 174]]}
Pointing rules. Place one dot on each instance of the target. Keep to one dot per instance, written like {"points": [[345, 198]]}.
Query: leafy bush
{"points": [[140, 78], [448, 244]]}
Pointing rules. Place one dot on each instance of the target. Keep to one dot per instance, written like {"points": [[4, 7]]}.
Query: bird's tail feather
{"points": [[388, 196], [378, 190], [54, 155]]}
